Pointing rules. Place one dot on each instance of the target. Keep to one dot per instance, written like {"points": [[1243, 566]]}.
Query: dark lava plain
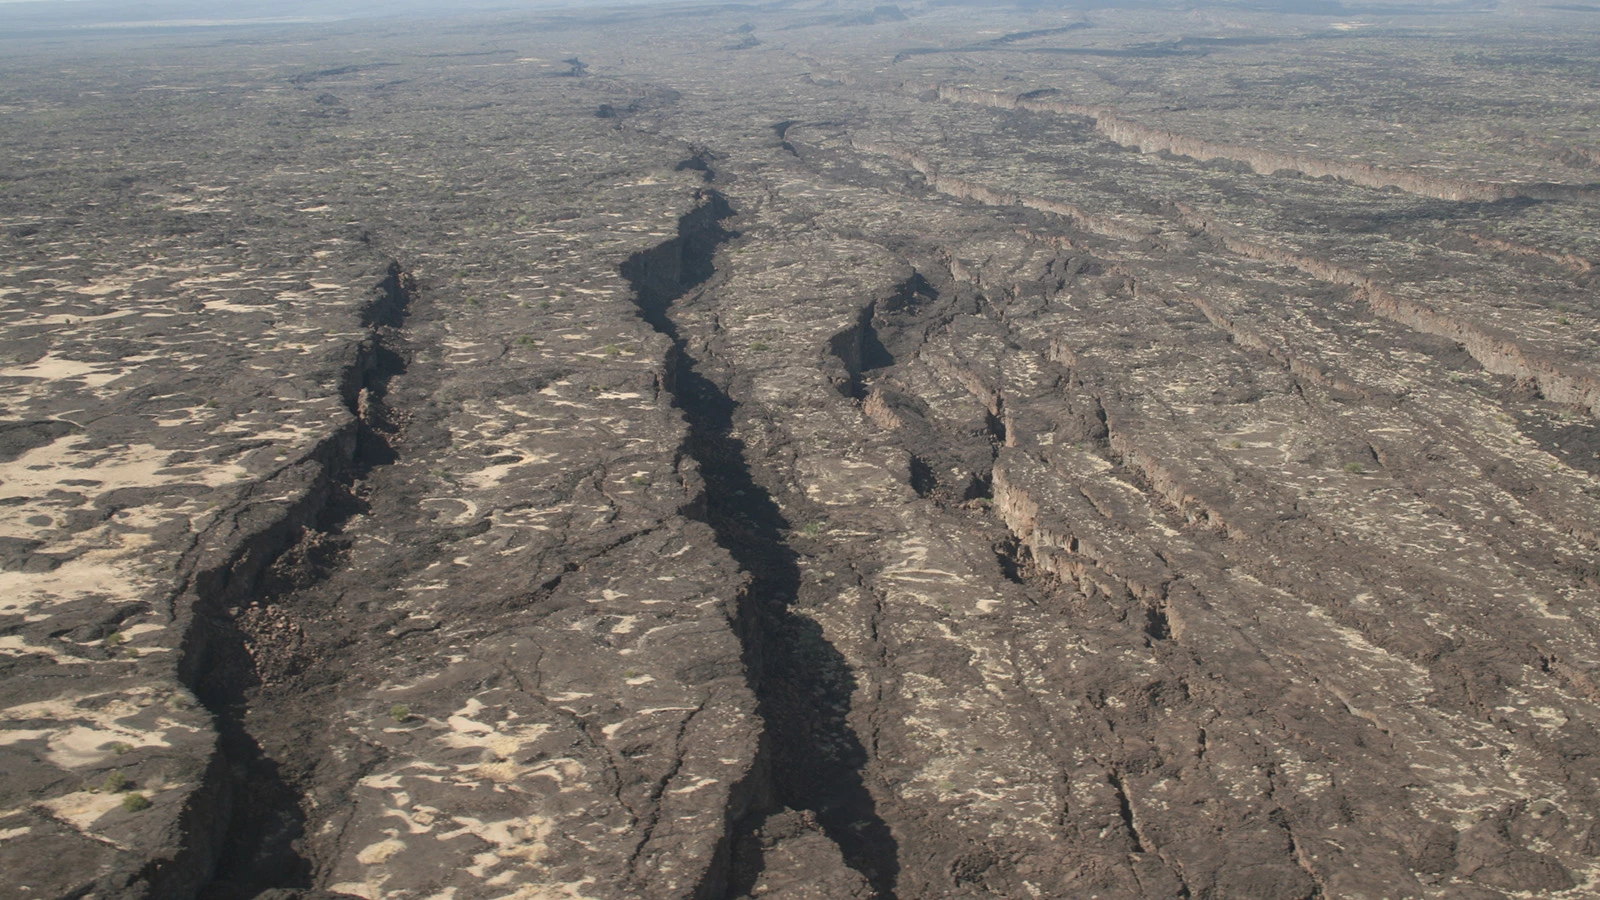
{"points": [[804, 450]]}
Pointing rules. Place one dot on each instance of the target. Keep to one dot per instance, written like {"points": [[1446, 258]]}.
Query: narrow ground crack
{"points": [[251, 631], [1125, 810], [802, 683]]}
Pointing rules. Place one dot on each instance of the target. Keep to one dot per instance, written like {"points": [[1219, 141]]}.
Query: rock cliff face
{"points": [[797, 452], [1264, 161]]}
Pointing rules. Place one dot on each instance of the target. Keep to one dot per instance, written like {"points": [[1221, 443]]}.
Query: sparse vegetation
{"points": [[115, 781], [400, 712], [1355, 468], [135, 802]]}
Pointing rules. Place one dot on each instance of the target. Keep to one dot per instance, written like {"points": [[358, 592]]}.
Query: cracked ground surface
{"points": [[810, 451]]}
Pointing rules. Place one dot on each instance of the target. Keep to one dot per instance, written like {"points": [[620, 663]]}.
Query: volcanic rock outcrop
{"points": [[802, 452]]}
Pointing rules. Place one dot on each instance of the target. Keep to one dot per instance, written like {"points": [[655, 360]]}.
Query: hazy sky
{"points": [[23, 16]]}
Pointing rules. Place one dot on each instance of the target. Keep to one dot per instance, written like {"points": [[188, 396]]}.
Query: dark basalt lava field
{"points": [[803, 449]]}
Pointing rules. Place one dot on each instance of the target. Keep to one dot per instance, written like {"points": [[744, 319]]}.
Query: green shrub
{"points": [[400, 712], [133, 802]]}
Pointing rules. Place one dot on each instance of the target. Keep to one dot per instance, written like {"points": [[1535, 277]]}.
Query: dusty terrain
{"points": [[805, 450]]}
